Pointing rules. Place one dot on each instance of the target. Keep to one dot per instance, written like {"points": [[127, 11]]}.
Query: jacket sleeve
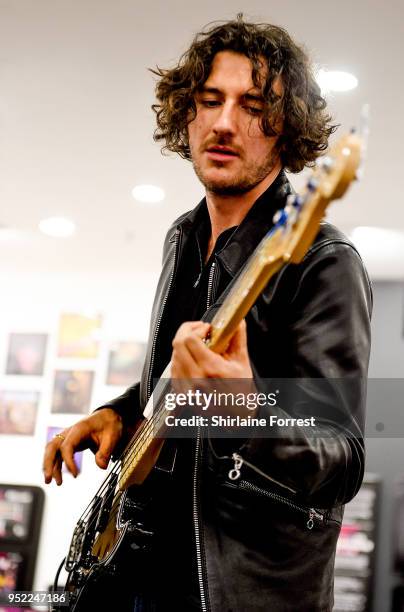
{"points": [[329, 332], [127, 405]]}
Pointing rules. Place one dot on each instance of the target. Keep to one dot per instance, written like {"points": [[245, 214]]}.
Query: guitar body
{"points": [[108, 553], [107, 584]]}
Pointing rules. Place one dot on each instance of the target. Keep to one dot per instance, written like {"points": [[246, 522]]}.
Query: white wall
{"points": [[33, 303]]}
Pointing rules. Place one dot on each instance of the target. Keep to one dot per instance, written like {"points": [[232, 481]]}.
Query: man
{"points": [[243, 105]]}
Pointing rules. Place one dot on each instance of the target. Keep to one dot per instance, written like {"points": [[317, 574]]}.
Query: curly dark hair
{"points": [[301, 108]]}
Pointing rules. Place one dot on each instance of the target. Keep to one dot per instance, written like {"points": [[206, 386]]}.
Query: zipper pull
{"points": [[196, 283], [235, 473], [314, 515]]}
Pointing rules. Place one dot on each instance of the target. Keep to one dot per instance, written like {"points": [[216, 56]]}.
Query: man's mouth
{"points": [[221, 153]]}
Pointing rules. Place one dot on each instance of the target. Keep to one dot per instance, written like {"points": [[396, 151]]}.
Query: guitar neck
{"points": [[242, 296]]}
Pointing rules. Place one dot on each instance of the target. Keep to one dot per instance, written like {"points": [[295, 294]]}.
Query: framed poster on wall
{"points": [[26, 354], [21, 509], [18, 412]]}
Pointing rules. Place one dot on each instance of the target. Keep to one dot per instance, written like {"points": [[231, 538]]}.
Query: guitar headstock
{"points": [[336, 170], [296, 225]]}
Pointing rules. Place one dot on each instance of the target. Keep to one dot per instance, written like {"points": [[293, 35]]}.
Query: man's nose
{"points": [[226, 120]]}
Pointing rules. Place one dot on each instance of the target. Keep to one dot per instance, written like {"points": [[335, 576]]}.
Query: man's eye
{"points": [[254, 110], [210, 103]]}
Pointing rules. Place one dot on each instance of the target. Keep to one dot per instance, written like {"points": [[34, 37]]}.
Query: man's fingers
{"points": [[209, 363], [107, 444], [67, 451], [183, 364], [191, 327], [48, 464], [100, 432], [57, 471], [73, 441], [50, 458], [52, 466], [238, 341]]}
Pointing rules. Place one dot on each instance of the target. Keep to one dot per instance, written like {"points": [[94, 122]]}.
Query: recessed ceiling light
{"points": [[57, 227], [336, 80], [148, 193]]}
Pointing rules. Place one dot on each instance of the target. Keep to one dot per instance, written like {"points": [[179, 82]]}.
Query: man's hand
{"points": [[101, 431], [191, 357]]}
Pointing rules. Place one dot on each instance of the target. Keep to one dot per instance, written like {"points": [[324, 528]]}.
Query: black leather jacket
{"points": [[267, 540]]}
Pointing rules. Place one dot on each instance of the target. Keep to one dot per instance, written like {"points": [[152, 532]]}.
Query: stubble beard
{"points": [[250, 177]]}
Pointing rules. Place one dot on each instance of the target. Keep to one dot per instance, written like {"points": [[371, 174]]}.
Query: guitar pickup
{"points": [[106, 505]]}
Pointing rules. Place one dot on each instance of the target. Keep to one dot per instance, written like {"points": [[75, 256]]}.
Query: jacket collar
{"points": [[257, 222]]}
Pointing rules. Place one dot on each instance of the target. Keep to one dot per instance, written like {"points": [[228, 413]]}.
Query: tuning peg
{"points": [[295, 200], [292, 213], [299, 202], [326, 163], [280, 217], [312, 184], [294, 203]]}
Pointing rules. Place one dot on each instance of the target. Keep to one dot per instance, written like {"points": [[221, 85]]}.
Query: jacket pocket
{"points": [[313, 516], [273, 490]]}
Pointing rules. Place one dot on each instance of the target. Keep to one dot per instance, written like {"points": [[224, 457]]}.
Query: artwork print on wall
{"points": [[10, 566], [79, 336], [15, 513], [18, 411], [26, 354], [125, 363], [72, 391]]}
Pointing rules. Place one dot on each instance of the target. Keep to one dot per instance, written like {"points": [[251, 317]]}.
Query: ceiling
{"points": [[76, 125]]}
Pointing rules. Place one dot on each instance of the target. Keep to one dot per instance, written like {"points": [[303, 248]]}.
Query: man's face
{"points": [[230, 153]]}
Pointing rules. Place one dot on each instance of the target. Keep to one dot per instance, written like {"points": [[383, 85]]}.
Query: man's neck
{"points": [[228, 211]]}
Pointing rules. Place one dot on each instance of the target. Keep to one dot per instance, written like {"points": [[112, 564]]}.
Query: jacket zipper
{"points": [[157, 328], [197, 528], [235, 473], [312, 514], [210, 285], [197, 523]]}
